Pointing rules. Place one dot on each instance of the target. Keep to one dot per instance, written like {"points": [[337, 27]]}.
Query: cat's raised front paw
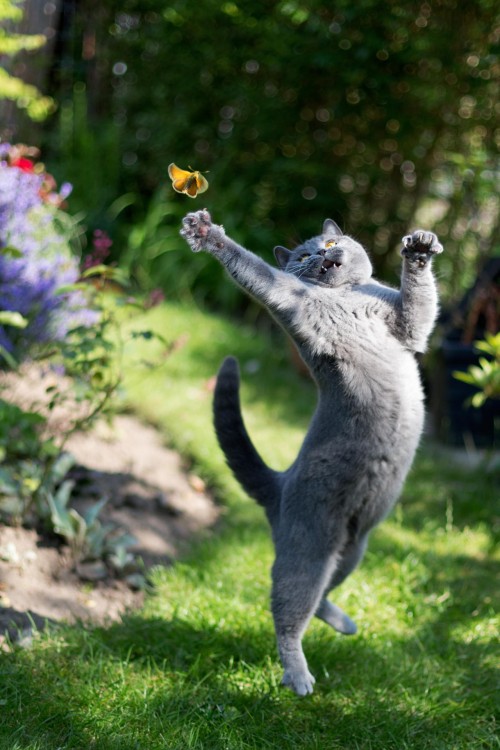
{"points": [[195, 229], [301, 682], [420, 246]]}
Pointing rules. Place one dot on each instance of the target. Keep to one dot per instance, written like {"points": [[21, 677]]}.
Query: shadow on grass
{"points": [[181, 682], [151, 683], [178, 683]]}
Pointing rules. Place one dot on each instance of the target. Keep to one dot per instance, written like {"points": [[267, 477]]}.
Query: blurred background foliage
{"points": [[381, 115], [12, 88]]}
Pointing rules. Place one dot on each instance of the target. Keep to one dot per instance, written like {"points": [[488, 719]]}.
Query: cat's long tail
{"points": [[256, 478]]}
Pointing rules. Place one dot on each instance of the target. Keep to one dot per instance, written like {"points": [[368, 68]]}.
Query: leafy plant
{"points": [[25, 95], [486, 375], [34, 488], [29, 474], [26, 461], [19, 434], [15, 319], [33, 484], [91, 540], [45, 298]]}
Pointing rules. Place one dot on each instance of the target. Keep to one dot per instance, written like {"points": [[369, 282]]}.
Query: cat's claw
{"points": [[301, 682], [420, 246], [195, 228]]}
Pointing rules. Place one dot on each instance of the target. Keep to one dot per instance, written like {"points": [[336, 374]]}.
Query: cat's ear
{"points": [[282, 255], [330, 227]]}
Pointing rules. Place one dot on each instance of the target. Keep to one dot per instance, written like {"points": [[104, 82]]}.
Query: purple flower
{"points": [[42, 261], [65, 190]]}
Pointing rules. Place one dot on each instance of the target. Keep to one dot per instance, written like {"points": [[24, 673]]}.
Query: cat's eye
{"points": [[330, 243], [303, 257]]}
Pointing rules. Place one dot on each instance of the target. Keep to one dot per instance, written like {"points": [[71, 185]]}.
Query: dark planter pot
{"points": [[456, 422]]}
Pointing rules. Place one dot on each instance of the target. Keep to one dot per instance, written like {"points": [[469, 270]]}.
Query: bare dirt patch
{"points": [[150, 494]]}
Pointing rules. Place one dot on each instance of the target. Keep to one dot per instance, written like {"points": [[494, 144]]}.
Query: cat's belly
{"points": [[360, 487], [355, 457]]}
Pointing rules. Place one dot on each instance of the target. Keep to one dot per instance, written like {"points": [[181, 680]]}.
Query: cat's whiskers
{"points": [[294, 268], [299, 268], [299, 272]]}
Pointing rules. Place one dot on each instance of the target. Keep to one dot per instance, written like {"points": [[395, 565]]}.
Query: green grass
{"points": [[198, 669]]}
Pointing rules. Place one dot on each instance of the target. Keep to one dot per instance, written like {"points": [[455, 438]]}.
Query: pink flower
{"points": [[101, 242]]}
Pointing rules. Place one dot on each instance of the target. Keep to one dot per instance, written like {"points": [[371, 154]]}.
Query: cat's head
{"points": [[330, 259]]}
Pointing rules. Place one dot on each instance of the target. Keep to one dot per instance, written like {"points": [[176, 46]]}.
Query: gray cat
{"points": [[358, 338]]}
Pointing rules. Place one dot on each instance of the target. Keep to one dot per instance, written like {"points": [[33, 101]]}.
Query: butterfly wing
{"points": [[179, 177], [179, 185], [201, 182], [176, 173], [191, 188]]}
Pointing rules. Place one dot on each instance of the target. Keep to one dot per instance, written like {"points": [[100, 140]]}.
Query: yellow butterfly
{"points": [[190, 183]]}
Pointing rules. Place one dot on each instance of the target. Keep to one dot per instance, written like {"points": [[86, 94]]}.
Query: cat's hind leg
{"points": [[299, 579], [329, 612], [336, 618]]}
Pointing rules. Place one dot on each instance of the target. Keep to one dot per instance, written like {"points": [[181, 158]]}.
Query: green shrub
{"points": [[300, 113], [486, 375]]}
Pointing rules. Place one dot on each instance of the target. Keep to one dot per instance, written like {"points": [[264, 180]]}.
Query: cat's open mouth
{"points": [[328, 264]]}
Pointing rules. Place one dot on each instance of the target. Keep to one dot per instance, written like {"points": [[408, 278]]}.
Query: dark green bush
{"points": [[378, 115]]}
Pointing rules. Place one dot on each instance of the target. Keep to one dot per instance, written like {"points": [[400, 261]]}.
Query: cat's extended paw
{"points": [[195, 229], [298, 680], [420, 246]]}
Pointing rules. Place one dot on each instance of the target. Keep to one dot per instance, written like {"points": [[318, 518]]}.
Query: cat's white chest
{"points": [[344, 326]]}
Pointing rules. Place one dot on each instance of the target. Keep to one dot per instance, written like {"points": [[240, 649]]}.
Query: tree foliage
{"points": [[379, 115], [25, 95]]}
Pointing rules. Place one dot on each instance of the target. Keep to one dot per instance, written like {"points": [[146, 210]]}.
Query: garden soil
{"points": [[150, 494]]}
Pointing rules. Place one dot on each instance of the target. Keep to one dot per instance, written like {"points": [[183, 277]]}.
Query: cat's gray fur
{"points": [[359, 339]]}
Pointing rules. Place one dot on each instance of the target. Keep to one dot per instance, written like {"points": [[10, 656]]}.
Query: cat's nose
{"points": [[331, 253]]}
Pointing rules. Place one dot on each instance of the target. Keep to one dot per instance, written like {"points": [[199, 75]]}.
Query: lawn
{"points": [[198, 668]]}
